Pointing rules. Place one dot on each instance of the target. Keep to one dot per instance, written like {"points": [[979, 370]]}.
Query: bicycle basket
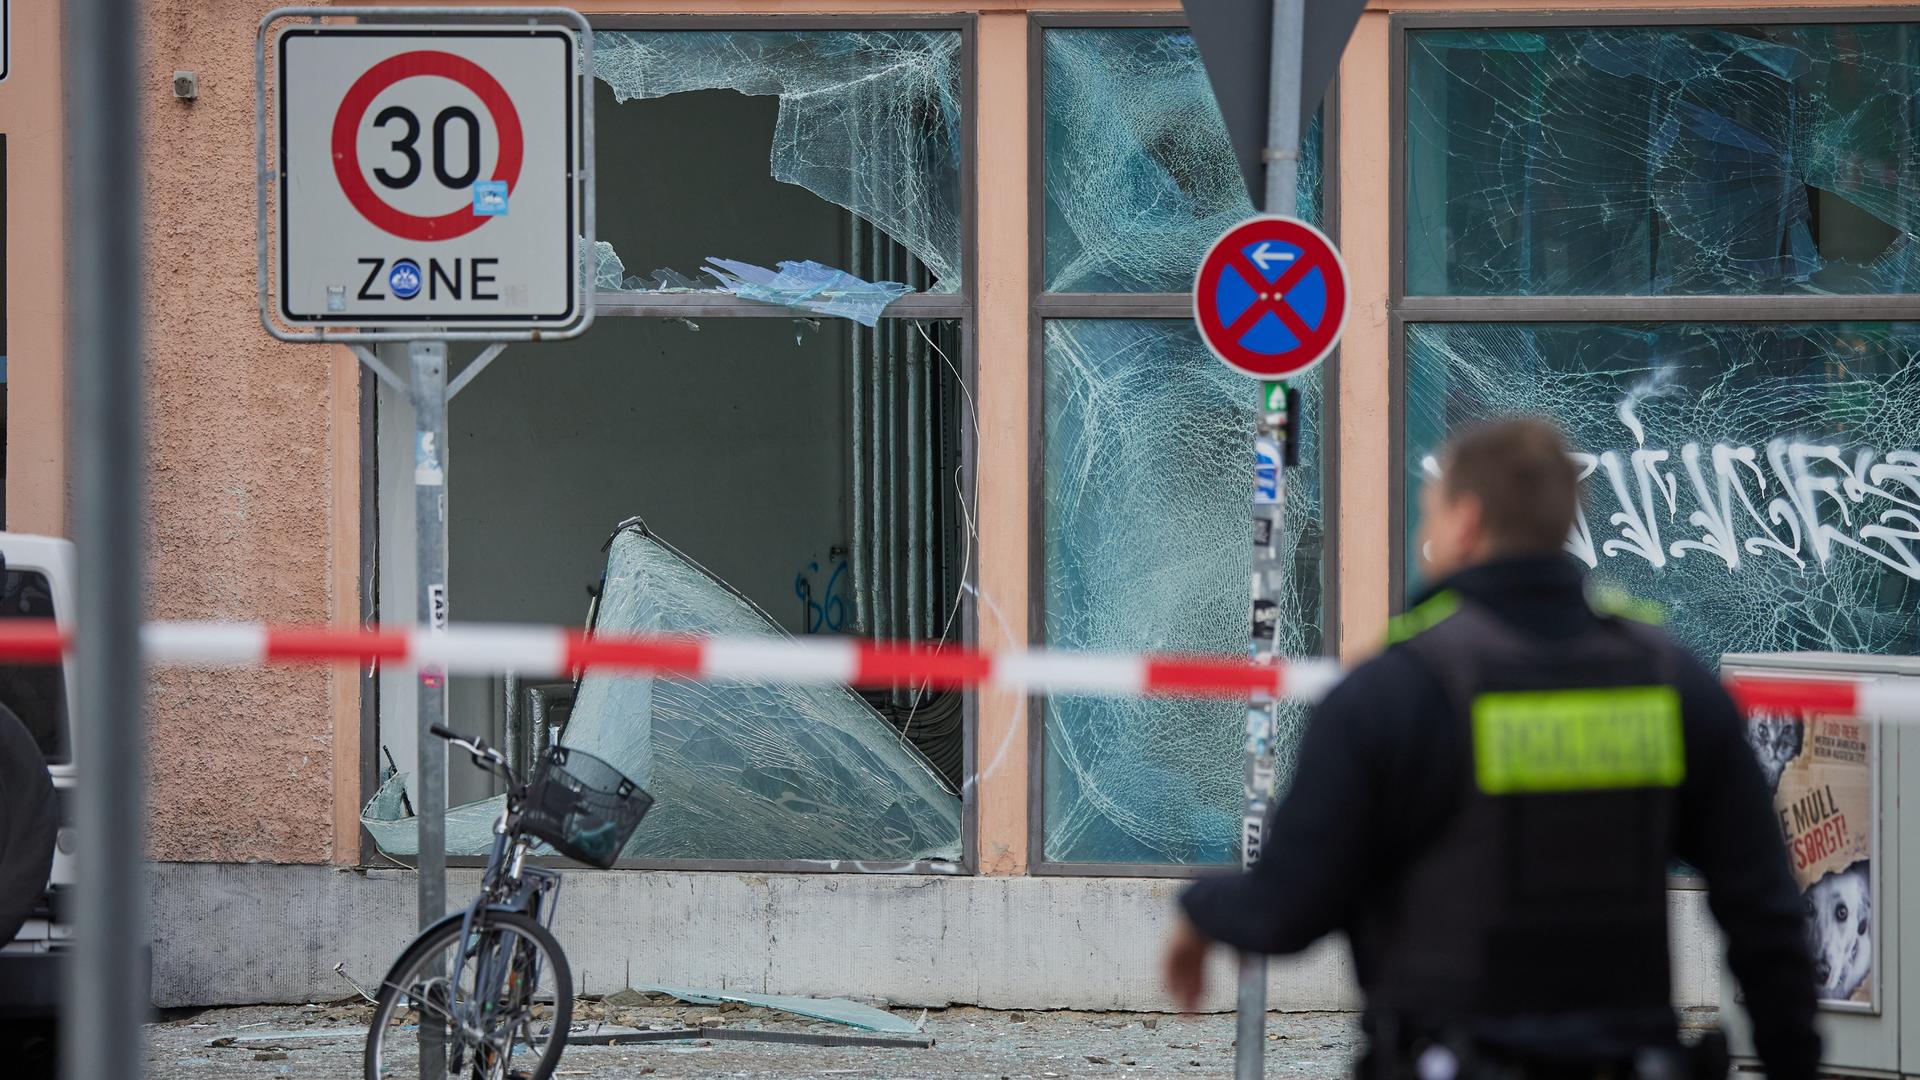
{"points": [[583, 807]]}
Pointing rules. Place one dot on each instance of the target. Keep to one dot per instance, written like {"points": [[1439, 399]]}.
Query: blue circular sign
{"points": [[404, 279]]}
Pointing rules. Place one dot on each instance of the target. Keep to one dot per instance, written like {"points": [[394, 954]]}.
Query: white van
{"points": [[37, 583]]}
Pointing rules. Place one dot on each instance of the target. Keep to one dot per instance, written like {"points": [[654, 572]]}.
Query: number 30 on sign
{"points": [[428, 176]]}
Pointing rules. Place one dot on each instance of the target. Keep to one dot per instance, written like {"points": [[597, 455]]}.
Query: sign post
{"points": [[105, 1001], [1270, 301], [430, 181]]}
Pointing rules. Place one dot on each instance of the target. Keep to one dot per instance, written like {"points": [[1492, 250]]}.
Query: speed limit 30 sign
{"points": [[429, 175]]}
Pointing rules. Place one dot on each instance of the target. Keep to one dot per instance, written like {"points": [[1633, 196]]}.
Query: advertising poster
{"points": [[1821, 770]]}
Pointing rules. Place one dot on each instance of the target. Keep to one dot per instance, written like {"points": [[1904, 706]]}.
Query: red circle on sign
{"points": [[1226, 340], [346, 146]]}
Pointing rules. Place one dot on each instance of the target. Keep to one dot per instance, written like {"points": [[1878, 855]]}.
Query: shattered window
{"points": [[1148, 451], [1663, 160], [1760, 481], [1148, 454], [1140, 175], [798, 455], [718, 148]]}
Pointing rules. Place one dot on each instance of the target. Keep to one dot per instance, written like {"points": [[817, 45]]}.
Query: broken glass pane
{"points": [[868, 120], [1141, 177], [738, 770], [1663, 160], [808, 286], [1760, 481], [1148, 484]]}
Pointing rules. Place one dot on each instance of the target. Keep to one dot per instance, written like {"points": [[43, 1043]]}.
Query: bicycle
{"points": [[470, 985]]}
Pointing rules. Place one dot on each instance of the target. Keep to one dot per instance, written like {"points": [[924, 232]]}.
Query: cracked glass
{"points": [[1140, 175], [867, 120], [1148, 443], [739, 770], [1761, 481], [1663, 160], [1148, 468]]}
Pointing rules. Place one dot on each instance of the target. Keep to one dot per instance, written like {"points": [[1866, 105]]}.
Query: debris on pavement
{"points": [[969, 1043]]}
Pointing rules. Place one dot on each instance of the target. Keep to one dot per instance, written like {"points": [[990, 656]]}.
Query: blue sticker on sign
{"points": [[489, 198], [404, 279]]}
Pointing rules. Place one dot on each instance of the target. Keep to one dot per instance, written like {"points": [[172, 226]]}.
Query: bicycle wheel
{"points": [[483, 1004]]}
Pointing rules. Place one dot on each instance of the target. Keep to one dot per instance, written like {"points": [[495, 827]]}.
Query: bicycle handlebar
{"points": [[483, 755]]}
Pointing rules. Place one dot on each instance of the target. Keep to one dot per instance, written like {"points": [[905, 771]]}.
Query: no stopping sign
{"points": [[429, 175]]}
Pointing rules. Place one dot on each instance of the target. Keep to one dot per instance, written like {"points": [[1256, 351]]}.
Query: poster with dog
{"points": [[1821, 772]]}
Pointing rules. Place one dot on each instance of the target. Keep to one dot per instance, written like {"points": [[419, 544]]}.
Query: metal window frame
{"points": [[956, 307], [1044, 306], [1403, 309]]}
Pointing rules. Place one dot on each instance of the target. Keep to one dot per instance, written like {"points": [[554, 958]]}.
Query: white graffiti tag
{"points": [[1803, 501]]}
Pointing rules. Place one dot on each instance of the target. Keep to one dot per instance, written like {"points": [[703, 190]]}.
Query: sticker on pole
{"points": [[1271, 297], [429, 175]]}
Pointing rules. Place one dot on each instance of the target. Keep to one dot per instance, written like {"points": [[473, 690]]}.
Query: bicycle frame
{"points": [[507, 884]]}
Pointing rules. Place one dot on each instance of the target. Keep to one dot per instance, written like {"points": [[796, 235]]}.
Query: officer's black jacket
{"points": [[1376, 777]]}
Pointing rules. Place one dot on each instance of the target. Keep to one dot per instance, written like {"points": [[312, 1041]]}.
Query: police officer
{"points": [[1490, 808]]}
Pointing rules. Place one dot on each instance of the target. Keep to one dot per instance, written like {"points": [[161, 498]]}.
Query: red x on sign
{"points": [[1271, 297]]}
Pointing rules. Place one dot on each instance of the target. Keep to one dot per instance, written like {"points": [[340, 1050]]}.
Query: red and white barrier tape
{"points": [[479, 649], [822, 661]]}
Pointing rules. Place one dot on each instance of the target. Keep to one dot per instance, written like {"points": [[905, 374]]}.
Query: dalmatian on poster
{"points": [[1821, 773]]}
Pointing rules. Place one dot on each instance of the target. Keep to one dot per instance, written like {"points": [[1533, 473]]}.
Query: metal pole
{"points": [[428, 363], [1283, 106], [857, 549], [516, 740], [1283, 178], [107, 997]]}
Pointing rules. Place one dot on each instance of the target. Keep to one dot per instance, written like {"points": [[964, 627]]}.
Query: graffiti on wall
{"points": [[1788, 499], [825, 606]]}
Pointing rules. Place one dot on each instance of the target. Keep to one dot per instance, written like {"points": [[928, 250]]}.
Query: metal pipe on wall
{"points": [[516, 745], [896, 448], [896, 393], [916, 474], [106, 1001], [857, 548], [878, 432], [929, 464]]}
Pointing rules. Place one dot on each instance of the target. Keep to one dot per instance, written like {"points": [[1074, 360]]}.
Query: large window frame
{"points": [[1403, 309], [959, 307], [1043, 306]]}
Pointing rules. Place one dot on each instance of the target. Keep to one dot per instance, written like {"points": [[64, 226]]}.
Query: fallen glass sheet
{"points": [[1149, 464], [804, 284], [1662, 159], [835, 1010], [1759, 481], [868, 119], [738, 771], [1141, 176], [808, 286]]}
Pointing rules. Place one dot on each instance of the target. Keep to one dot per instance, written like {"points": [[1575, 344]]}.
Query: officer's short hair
{"points": [[1524, 477]]}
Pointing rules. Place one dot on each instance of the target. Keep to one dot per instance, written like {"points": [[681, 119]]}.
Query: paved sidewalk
{"points": [[326, 1041]]}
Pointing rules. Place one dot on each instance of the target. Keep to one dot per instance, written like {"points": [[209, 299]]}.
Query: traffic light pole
{"points": [[1282, 157]]}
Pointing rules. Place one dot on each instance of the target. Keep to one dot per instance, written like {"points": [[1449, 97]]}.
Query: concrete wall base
{"points": [[227, 934]]}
